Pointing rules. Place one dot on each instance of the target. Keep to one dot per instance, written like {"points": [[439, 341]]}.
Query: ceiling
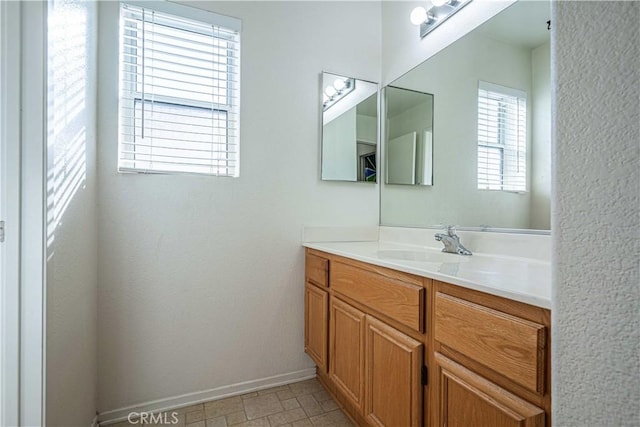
{"points": [[522, 24], [401, 100]]}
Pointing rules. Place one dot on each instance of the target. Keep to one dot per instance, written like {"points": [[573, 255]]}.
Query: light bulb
{"points": [[438, 3], [330, 91], [325, 98], [418, 15], [339, 84]]}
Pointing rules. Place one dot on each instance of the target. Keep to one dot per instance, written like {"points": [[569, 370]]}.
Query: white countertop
{"points": [[521, 279]]}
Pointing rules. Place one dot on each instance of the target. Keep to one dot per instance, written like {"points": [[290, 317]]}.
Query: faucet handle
{"points": [[451, 230]]}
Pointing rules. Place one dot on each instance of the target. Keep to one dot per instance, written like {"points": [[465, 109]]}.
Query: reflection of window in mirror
{"points": [[502, 138]]}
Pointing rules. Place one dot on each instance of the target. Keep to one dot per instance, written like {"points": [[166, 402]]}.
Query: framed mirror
{"points": [[491, 129], [408, 137], [349, 129]]}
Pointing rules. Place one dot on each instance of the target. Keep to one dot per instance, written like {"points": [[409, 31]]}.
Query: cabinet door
{"points": [[467, 399], [393, 376], [316, 308], [346, 343]]}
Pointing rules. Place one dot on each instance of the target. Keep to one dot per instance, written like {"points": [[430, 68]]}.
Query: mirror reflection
{"points": [[349, 129], [491, 129], [409, 137]]}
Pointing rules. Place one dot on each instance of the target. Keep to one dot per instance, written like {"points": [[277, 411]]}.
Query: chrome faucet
{"points": [[451, 242]]}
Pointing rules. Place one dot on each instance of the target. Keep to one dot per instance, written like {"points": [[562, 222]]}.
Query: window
{"points": [[179, 90], [502, 138]]}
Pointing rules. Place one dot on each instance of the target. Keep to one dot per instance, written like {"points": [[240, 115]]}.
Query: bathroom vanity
{"points": [[405, 337]]}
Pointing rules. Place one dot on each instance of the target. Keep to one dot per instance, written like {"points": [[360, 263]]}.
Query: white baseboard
{"points": [[175, 402]]}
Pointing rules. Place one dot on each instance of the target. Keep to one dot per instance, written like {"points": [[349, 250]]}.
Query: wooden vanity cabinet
{"points": [[347, 351], [393, 369], [375, 340], [375, 367], [491, 360], [316, 305], [401, 350], [316, 308], [467, 399]]}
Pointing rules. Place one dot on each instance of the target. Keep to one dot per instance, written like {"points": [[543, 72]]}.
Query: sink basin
{"points": [[423, 256]]}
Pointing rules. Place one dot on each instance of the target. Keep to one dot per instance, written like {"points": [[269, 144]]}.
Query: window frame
{"points": [[502, 145], [129, 90]]}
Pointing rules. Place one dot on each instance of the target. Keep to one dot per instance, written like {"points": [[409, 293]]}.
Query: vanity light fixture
{"points": [[440, 11], [336, 91]]}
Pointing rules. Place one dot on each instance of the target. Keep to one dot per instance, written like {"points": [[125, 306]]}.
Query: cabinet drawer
{"points": [[401, 301], [509, 345], [317, 270], [467, 399]]}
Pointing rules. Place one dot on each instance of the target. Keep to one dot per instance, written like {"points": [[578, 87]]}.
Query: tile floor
{"points": [[301, 404]]}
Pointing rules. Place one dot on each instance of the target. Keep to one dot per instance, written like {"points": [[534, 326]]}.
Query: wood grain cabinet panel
{"points": [[467, 399], [346, 346], [316, 305], [393, 390], [509, 345], [399, 300], [366, 328], [317, 270]]}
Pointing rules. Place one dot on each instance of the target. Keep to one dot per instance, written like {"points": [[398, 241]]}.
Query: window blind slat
{"points": [[179, 93], [180, 87], [169, 122], [132, 145], [223, 48], [150, 157], [222, 67]]}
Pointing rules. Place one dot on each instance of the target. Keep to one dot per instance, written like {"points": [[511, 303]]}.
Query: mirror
{"points": [[349, 129], [409, 137], [491, 129]]}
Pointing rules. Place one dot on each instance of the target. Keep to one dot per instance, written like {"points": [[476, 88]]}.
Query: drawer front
{"points": [[509, 345], [401, 301], [317, 270]]}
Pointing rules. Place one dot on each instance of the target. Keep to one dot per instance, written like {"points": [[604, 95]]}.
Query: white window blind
{"points": [[502, 138], [179, 90]]}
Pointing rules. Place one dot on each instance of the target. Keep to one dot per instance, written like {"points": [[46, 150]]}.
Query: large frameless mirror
{"points": [[349, 129], [491, 129]]}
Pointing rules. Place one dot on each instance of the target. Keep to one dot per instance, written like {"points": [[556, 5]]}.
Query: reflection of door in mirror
{"points": [[401, 159], [349, 129], [409, 142]]}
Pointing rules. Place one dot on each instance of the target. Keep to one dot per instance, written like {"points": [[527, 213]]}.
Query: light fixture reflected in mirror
{"points": [[349, 129], [337, 90], [441, 10]]}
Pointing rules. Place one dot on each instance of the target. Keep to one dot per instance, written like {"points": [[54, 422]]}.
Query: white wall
{"points": [[452, 77], [596, 211], [541, 137], [200, 278], [71, 329]]}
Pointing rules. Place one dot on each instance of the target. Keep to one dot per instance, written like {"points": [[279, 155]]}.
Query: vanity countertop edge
{"points": [[519, 279]]}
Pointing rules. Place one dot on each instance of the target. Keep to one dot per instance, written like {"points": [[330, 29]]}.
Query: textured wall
{"points": [[71, 354], [596, 322], [200, 278]]}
